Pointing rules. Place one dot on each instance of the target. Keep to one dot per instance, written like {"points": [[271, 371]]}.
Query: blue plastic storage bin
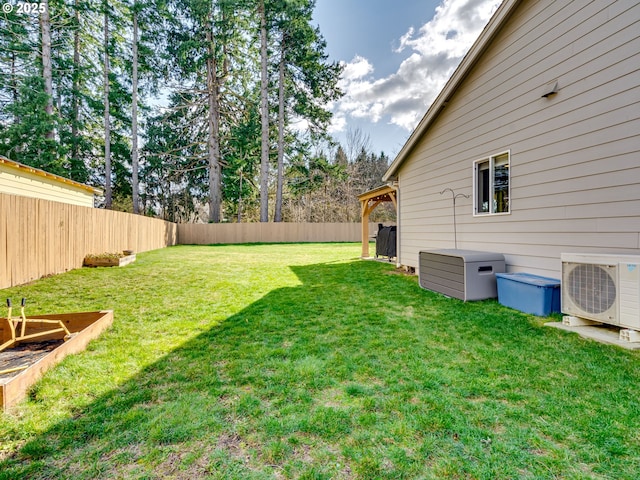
{"points": [[529, 293]]}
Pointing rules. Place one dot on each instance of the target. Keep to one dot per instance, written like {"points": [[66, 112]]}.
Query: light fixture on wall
{"points": [[455, 195], [550, 89]]}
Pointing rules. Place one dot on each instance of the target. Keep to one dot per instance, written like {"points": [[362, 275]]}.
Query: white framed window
{"points": [[492, 184]]}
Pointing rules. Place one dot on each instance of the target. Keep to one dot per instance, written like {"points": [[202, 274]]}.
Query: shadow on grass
{"points": [[354, 373]]}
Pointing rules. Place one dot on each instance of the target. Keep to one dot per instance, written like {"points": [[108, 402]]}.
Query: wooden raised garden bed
{"points": [[45, 351], [110, 259]]}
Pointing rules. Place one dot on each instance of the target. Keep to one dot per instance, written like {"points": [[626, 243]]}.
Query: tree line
{"points": [[213, 110]]}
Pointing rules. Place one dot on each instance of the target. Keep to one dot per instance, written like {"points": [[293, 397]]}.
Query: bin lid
{"points": [[530, 279], [468, 255]]}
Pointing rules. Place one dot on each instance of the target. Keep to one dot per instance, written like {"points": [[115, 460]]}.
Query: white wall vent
{"points": [[603, 288]]}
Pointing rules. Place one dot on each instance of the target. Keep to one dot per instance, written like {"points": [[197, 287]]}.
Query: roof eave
{"points": [[470, 59], [381, 190], [42, 173]]}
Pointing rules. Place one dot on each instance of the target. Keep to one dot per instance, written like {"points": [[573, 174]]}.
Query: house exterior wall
{"points": [[575, 156], [19, 181]]}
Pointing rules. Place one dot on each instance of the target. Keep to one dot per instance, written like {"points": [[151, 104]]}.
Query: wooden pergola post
{"points": [[368, 202], [365, 230]]}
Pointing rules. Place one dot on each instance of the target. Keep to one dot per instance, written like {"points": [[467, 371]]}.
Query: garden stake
{"points": [[455, 195]]}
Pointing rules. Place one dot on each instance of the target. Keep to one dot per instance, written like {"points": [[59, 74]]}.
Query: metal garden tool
{"points": [[22, 328]]}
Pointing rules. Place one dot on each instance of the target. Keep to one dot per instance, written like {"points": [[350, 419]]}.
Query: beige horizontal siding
{"points": [[575, 174]]}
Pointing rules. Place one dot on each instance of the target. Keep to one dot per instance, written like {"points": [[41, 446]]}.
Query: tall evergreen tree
{"points": [[135, 188], [76, 163], [108, 192], [307, 81], [26, 131], [74, 90], [207, 42], [76, 37], [264, 113], [148, 41], [47, 73]]}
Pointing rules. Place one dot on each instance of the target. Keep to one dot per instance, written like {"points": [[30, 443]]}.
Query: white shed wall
{"points": [[575, 157]]}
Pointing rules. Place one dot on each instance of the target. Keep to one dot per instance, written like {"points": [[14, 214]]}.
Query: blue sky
{"points": [[397, 56]]}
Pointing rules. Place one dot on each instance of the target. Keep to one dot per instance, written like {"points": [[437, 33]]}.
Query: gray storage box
{"points": [[463, 274]]}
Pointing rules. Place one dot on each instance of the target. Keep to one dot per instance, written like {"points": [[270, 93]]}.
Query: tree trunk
{"points": [[213, 142], [107, 123], [14, 86], [47, 75], [240, 199], [134, 116], [281, 79], [264, 107], [75, 89]]}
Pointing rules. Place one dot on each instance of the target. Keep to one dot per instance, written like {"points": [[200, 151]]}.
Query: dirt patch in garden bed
{"points": [[38, 356], [24, 355]]}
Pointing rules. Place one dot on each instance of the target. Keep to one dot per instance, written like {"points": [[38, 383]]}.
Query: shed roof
{"points": [[474, 54], [41, 173]]}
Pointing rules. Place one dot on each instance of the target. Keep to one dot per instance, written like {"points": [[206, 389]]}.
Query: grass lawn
{"points": [[301, 361]]}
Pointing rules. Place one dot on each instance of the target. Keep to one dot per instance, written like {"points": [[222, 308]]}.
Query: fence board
{"points": [[41, 237], [210, 234]]}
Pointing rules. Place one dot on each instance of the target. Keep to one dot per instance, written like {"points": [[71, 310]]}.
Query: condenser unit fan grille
{"points": [[591, 288]]}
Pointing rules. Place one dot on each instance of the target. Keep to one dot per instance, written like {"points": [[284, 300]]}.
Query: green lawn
{"points": [[301, 361]]}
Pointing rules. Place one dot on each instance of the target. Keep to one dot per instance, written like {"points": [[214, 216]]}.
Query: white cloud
{"points": [[434, 52], [357, 68]]}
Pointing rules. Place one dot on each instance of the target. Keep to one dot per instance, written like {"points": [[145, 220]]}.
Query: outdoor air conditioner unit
{"points": [[602, 288]]}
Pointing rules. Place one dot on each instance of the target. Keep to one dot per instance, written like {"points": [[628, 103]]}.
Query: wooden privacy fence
{"points": [[40, 237], [207, 234]]}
